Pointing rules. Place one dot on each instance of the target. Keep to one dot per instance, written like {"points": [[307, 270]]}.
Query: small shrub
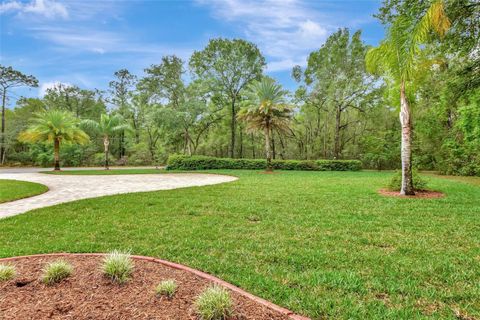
{"points": [[118, 266], [214, 303], [7, 272], [166, 288], [56, 271], [418, 182]]}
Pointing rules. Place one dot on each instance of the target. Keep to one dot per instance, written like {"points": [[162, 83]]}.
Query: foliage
{"points": [[166, 288], [180, 162], [81, 103], [398, 54], [7, 272], [117, 266], [214, 303], [337, 85], [230, 65], [419, 184], [56, 271], [9, 79], [265, 109], [53, 125]]}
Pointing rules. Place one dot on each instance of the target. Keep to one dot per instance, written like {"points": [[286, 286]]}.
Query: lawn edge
{"points": [[184, 268]]}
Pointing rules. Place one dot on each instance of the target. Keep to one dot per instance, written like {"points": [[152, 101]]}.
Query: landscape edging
{"points": [[181, 267]]}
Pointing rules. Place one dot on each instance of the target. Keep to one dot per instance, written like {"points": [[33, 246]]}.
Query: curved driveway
{"points": [[65, 188]]}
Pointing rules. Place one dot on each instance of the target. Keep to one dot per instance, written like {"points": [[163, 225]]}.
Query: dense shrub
{"points": [[418, 182], [180, 162]]}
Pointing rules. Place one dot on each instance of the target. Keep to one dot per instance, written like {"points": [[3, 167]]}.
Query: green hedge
{"points": [[180, 162]]}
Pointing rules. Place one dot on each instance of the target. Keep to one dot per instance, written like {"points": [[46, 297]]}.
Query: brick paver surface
{"points": [[65, 188]]}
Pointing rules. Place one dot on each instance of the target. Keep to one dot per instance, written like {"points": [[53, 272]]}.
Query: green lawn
{"points": [[323, 244], [13, 190], [106, 172]]}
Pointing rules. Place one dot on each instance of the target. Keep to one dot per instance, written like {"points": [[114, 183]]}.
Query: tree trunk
{"points": [[338, 119], [253, 146], [325, 137], [267, 149], [232, 131], [2, 140], [106, 143], [186, 148], [274, 152], [56, 154], [240, 152], [405, 120]]}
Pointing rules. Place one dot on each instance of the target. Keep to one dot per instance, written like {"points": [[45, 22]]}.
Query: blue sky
{"points": [[83, 42]]}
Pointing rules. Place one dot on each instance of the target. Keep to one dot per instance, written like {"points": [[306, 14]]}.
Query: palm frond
{"points": [[52, 125]]}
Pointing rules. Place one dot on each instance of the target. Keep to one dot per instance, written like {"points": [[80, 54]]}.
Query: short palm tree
{"points": [[107, 126], [398, 56], [54, 126], [265, 108]]}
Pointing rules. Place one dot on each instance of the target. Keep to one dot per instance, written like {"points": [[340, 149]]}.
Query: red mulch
{"points": [[87, 294], [421, 194]]}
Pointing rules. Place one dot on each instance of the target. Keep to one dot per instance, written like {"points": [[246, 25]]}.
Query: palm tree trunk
{"points": [[2, 141], [267, 149], [232, 130], [56, 154], [106, 144], [405, 120]]}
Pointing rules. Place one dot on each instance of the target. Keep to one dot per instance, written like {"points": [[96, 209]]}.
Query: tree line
{"points": [[346, 104]]}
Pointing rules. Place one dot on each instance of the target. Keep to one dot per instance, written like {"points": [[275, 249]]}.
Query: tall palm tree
{"points": [[106, 127], [54, 126], [265, 108], [398, 57]]}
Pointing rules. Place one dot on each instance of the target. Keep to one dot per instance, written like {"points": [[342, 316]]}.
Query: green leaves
{"points": [[265, 106], [398, 55], [107, 125], [54, 124]]}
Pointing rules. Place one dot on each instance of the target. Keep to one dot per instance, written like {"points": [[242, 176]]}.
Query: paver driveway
{"points": [[65, 188]]}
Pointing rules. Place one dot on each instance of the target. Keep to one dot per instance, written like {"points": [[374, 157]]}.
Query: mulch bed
{"points": [[87, 294], [421, 194]]}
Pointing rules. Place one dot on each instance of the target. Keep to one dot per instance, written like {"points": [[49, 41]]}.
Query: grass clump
{"points": [[56, 271], [118, 266], [214, 303], [419, 184], [7, 272], [166, 288]]}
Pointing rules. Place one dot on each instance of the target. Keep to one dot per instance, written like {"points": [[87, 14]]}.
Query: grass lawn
{"points": [[13, 190], [323, 244], [105, 172]]}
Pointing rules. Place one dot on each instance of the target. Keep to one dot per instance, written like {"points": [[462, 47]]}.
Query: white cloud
{"points": [[42, 90], [45, 8], [10, 6], [285, 31]]}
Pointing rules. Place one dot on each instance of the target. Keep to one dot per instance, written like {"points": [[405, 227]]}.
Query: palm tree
{"points": [[54, 126], [265, 109], [106, 127], [398, 57]]}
